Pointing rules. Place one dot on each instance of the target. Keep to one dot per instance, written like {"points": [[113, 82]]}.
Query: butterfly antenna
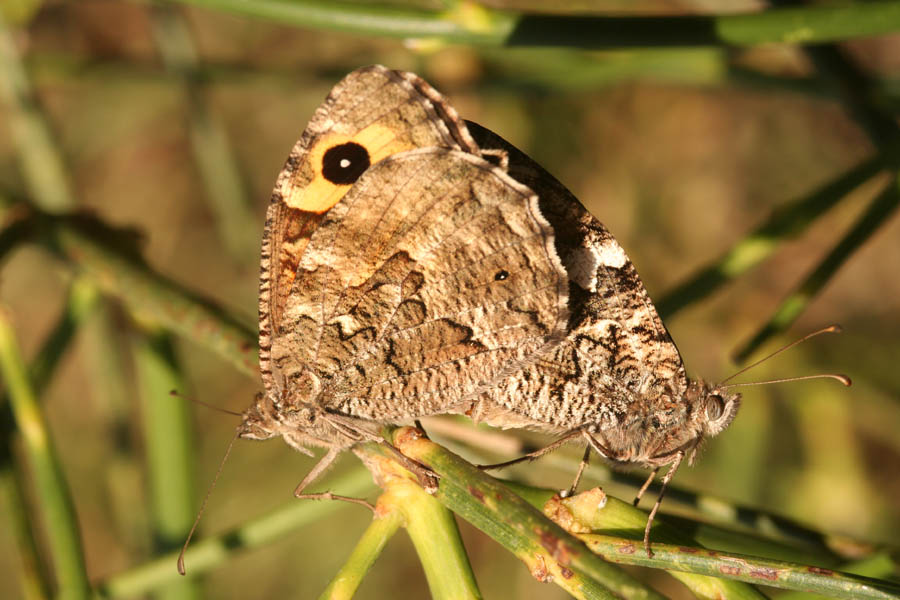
{"points": [[212, 486], [830, 329], [176, 394], [836, 376]]}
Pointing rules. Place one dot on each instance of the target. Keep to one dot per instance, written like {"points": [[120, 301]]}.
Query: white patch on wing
{"points": [[582, 268], [610, 254]]}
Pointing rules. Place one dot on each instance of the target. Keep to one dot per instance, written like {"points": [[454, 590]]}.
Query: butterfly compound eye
{"points": [[715, 406], [344, 163]]}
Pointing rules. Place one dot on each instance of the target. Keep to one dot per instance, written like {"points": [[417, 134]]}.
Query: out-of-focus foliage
{"points": [[680, 152]]}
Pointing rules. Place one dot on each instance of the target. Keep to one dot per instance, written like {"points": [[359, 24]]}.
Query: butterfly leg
{"points": [[533, 455], [330, 496], [584, 463], [428, 479], [665, 483], [316, 471], [644, 487]]}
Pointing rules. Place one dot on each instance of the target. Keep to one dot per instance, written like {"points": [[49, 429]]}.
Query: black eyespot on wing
{"points": [[344, 163], [500, 275]]}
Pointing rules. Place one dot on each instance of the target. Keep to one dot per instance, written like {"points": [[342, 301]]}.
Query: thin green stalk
{"points": [[346, 581], [549, 552], [213, 156], [511, 70], [709, 535], [471, 23], [15, 231], [791, 307], [787, 222], [169, 443], [594, 511], [81, 301], [101, 254], [108, 360], [605, 516], [772, 536], [55, 503], [857, 92], [31, 573], [738, 567], [213, 551], [434, 534], [43, 168], [879, 565], [430, 525]]}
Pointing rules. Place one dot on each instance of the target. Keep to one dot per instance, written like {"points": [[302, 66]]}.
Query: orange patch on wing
{"points": [[298, 228], [320, 195]]}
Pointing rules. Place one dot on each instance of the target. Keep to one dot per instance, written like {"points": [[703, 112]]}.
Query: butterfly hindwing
{"points": [[616, 349]]}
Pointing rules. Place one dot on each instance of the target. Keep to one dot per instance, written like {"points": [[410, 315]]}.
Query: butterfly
{"points": [[416, 264]]}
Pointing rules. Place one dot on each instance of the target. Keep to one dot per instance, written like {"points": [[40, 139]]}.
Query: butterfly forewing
{"points": [[373, 113], [416, 292]]}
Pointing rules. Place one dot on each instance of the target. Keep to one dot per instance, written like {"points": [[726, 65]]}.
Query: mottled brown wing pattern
{"points": [[431, 278], [616, 351], [373, 113]]}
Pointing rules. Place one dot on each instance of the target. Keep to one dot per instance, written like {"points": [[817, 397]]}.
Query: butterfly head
{"points": [[300, 425], [712, 408]]}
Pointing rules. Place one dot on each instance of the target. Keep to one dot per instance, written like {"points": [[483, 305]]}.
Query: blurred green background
{"points": [[174, 121]]}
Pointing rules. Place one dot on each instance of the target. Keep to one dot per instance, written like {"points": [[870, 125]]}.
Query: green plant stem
{"points": [[549, 552], [791, 307], [81, 302], [594, 510], [346, 581], [467, 22], [32, 576], [787, 222], [169, 443], [606, 516], [109, 366], [511, 70], [430, 525], [879, 565], [215, 550], [798, 549], [43, 168], [99, 253], [213, 155], [55, 503], [750, 569], [435, 536], [856, 92]]}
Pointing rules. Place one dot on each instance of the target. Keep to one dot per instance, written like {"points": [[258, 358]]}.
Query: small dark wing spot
{"points": [[501, 275], [344, 163]]}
